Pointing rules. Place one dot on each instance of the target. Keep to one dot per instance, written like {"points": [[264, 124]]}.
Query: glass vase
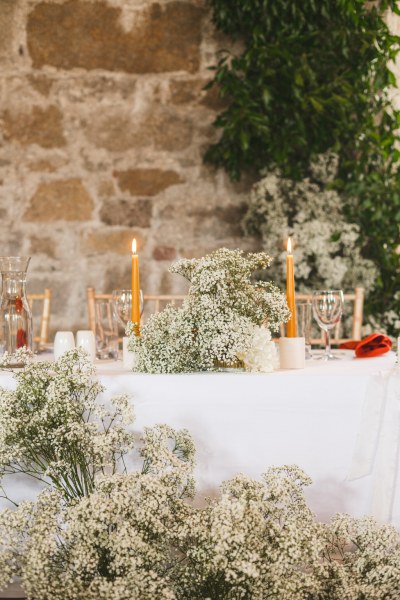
{"points": [[15, 312]]}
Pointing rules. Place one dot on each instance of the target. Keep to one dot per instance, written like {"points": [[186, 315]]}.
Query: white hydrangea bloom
{"points": [[262, 355]]}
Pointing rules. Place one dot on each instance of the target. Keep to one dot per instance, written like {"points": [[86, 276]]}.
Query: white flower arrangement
{"points": [[53, 427], [217, 319], [327, 253], [139, 536]]}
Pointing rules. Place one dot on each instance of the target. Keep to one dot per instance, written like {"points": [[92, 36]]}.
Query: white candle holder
{"points": [[128, 357], [292, 352]]}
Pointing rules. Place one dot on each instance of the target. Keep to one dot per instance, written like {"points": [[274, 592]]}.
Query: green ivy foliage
{"points": [[313, 76]]}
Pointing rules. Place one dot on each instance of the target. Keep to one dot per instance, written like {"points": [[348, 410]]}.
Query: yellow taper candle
{"points": [[135, 288], [291, 329]]}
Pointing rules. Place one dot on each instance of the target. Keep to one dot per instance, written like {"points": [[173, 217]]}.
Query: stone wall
{"points": [[103, 126]]}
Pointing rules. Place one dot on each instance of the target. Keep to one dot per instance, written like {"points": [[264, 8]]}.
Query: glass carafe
{"points": [[15, 313]]}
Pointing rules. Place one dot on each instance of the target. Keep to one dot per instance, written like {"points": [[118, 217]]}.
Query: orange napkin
{"points": [[373, 345]]}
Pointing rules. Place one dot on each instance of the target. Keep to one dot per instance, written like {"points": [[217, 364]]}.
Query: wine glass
{"points": [[122, 305], [327, 308]]}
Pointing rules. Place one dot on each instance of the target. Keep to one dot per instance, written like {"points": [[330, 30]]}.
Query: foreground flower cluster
{"points": [[138, 535], [218, 320]]}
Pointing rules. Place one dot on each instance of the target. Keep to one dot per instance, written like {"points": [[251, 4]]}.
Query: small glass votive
{"points": [[304, 324], [106, 331]]}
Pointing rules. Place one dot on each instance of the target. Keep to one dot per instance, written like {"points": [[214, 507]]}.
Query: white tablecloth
{"points": [[247, 422]]}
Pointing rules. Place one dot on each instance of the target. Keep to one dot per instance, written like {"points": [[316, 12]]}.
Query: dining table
{"points": [[338, 420]]}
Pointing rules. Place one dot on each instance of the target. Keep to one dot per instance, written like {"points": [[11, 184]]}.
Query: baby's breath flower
{"points": [[99, 533], [327, 250], [54, 428], [22, 356], [217, 318]]}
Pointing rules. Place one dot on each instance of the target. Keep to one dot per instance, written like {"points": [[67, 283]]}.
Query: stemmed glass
{"points": [[327, 308], [122, 305]]}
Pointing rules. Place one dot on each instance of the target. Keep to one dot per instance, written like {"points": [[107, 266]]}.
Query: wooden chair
{"points": [[92, 298], [154, 302], [159, 302], [357, 299], [34, 300]]}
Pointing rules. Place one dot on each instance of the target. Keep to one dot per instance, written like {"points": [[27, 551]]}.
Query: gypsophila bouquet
{"points": [[53, 428], [216, 321], [137, 535], [120, 541], [94, 531], [257, 540], [360, 560], [327, 252], [21, 357]]}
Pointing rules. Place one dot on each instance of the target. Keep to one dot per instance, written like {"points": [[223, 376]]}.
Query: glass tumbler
{"points": [[106, 331], [304, 322]]}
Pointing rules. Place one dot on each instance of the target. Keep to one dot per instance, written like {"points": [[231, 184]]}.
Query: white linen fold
{"points": [[378, 442]]}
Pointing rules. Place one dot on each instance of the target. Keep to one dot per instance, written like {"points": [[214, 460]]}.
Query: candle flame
{"points": [[134, 246], [289, 246]]}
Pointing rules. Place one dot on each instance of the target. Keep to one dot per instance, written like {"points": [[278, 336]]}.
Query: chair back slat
{"points": [[154, 302], [45, 298], [91, 306], [357, 300], [358, 313], [160, 301]]}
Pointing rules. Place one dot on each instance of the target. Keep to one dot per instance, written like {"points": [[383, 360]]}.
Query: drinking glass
{"points": [[122, 305], [106, 331], [327, 308], [303, 319]]}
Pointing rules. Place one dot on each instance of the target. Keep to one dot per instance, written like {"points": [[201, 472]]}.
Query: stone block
{"points": [[186, 91], [47, 166], [164, 253], [42, 126], [167, 130], [163, 128], [111, 131], [232, 214], [146, 182], [43, 245], [7, 27], [106, 188], [41, 84], [212, 99], [133, 213], [105, 241], [66, 200], [91, 35], [119, 276]]}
